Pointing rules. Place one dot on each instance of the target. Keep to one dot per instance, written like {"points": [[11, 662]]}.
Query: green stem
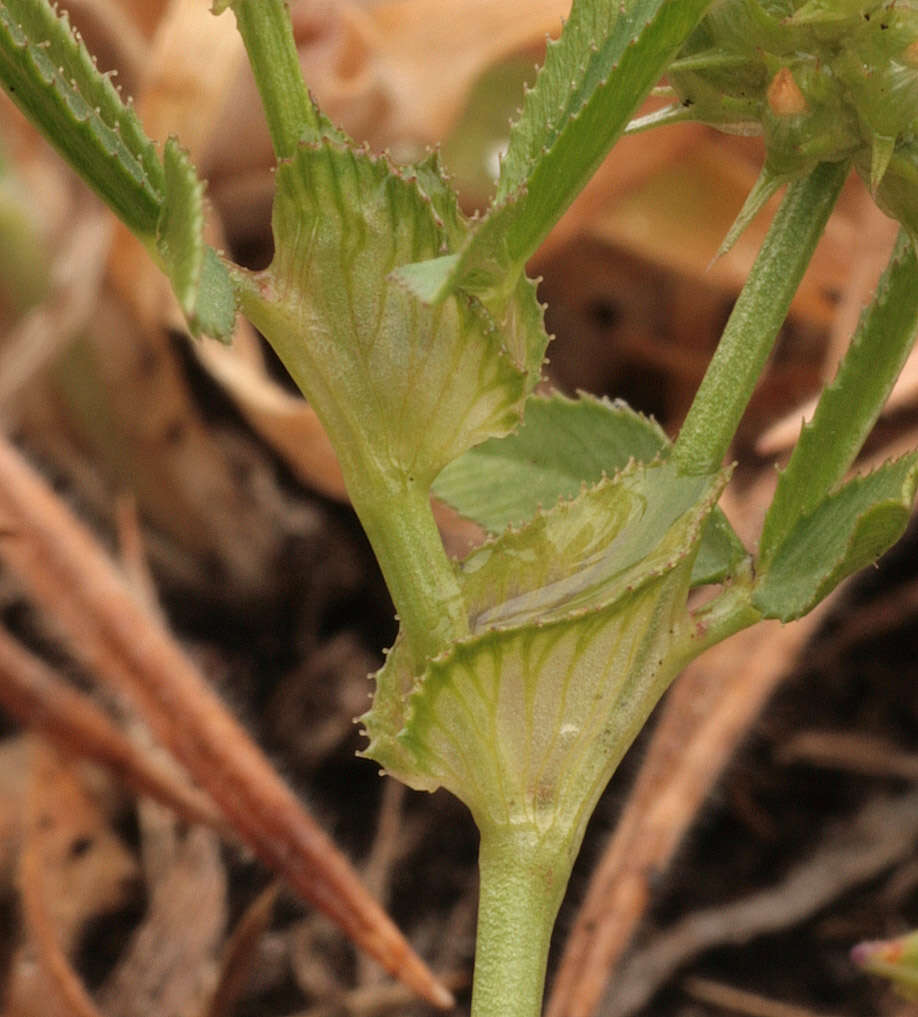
{"points": [[729, 612], [523, 880], [268, 36], [757, 316], [393, 507], [396, 516]]}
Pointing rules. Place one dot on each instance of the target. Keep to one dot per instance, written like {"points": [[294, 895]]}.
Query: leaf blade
{"points": [[48, 73], [199, 279], [562, 445], [846, 531], [605, 543], [426, 382], [571, 117], [180, 228], [850, 405]]}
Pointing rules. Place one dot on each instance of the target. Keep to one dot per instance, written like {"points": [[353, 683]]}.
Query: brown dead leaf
{"points": [[285, 421], [182, 95], [86, 869], [14, 760], [169, 966], [395, 74], [122, 645], [240, 954], [669, 197], [72, 868]]}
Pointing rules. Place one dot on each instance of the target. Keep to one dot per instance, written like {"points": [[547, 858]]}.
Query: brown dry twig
{"points": [[706, 716], [240, 954], [726, 997], [857, 850], [372, 1000], [383, 856], [38, 697], [844, 750], [117, 640]]}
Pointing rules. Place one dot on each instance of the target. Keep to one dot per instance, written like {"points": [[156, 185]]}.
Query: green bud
{"points": [[821, 80], [804, 119], [879, 67]]}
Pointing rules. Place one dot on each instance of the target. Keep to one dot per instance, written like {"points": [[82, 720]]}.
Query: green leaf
{"points": [[609, 56], [198, 278], [606, 542], [426, 279], [765, 186], [562, 445], [575, 623], [526, 726], [180, 230], [48, 73], [520, 318], [849, 407], [721, 552], [845, 532], [215, 309], [402, 388]]}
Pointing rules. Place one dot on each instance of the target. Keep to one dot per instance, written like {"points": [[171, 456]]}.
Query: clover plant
{"points": [[522, 673]]}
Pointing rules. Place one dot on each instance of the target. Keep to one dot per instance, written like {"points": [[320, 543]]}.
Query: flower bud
{"points": [[821, 80]]}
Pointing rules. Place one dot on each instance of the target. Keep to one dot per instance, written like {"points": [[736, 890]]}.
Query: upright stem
{"points": [[757, 316], [396, 516], [523, 878], [268, 36], [392, 505]]}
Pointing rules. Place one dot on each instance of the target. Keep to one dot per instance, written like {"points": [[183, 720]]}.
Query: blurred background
{"points": [[766, 821]]}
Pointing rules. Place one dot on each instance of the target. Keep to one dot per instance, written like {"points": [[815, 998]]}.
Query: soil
{"points": [[800, 848], [294, 667]]}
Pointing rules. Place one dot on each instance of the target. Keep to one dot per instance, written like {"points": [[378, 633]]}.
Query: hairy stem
{"points": [[757, 317], [396, 515], [268, 36], [523, 878]]}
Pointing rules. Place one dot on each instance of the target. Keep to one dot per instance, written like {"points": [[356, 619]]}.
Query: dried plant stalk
{"points": [[76, 584], [34, 694]]}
